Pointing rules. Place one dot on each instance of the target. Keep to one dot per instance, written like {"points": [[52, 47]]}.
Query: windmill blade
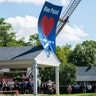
{"points": [[65, 16]]}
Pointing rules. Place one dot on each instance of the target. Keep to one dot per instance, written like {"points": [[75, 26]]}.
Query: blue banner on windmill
{"points": [[47, 23]]}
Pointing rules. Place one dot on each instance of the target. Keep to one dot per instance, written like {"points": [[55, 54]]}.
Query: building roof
{"points": [[86, 73], [18, 53], [26, 56]]}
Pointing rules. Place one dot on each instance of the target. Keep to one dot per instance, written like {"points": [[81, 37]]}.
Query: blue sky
{"points": [[23, 15]]}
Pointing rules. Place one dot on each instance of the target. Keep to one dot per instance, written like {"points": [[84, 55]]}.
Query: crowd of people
{"points": [[88, 88], [26, 87]]}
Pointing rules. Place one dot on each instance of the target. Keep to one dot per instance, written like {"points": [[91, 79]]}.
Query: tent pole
{"points": [[35, 77], [57, 79]]}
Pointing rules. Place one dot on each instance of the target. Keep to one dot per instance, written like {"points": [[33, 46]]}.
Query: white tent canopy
{"points": [[43, 60], [4, 70], [28, 56]]}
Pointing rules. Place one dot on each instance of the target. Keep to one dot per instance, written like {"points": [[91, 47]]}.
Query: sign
{"points": [[47, 22]]}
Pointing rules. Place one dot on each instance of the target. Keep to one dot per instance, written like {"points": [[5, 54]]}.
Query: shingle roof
{"points": [[86, 74], [17, 53]]}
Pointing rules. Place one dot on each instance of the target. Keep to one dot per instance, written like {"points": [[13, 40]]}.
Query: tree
{"points": [[7, 36], [47, 73], [84, 54], [67, 70], [67, 74], [21, 42], [34, 40], [4, 36], [63, 53]]}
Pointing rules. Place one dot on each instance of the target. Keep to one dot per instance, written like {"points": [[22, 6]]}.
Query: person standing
{"points": [[89, 87], [69, 89], [76, 88]]}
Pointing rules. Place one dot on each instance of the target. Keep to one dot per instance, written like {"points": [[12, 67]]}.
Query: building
{"points": [[85, 75]]}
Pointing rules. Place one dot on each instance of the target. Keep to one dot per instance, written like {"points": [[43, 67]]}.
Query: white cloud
{"points": [[65, 2], [23, 27], [28, 25], [37, 2], [70, 35]]}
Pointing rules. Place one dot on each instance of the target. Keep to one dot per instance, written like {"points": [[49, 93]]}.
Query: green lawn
{"points": [[87, 94]]}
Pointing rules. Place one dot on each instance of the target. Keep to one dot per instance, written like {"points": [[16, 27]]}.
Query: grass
{"points": [[87, 94], [91, 94]]}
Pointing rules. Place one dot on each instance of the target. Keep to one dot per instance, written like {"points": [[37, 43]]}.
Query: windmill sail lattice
{"points": [[67, 13]]}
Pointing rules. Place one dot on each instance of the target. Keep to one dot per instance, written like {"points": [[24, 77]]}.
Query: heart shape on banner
{"points": [[47, 25]]}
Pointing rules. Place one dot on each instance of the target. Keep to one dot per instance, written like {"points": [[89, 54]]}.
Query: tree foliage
{"points": [[47, 73], [67, 70], [34, 40], [67, 74], [84, 54], [63, 53], [7, 36]]}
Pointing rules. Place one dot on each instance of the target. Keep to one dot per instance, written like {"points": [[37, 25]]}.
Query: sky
{"points": [[24, 14]]}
